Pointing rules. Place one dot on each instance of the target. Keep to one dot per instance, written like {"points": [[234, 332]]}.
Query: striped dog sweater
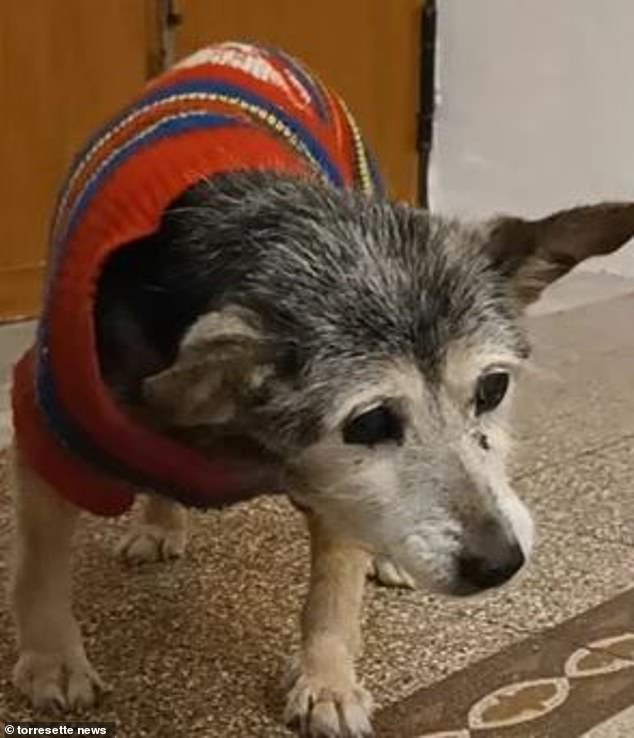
{"points": [[228, 107]]}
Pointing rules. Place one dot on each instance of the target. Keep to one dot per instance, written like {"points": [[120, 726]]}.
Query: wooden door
{"points": [[366, 49], [65, 67]]}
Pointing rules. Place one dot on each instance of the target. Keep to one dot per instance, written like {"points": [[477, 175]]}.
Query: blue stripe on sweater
{"points": [[219, 88], [231, 90], [195, 120], [312, 86]]}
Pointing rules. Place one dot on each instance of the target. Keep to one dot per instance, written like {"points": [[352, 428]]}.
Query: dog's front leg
{"points": [[325, 698], [52, 668]]}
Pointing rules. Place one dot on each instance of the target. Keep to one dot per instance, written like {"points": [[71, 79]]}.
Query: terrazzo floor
{"points": [[196, 647]]}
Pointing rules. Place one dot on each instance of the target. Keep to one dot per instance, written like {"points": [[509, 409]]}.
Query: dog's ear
{"points": [[223, 358], [534, 253]]}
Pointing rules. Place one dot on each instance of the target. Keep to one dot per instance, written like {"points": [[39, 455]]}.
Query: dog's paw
{"points": [[327, 706], [57, 681], [147, 543], [386, 572]]}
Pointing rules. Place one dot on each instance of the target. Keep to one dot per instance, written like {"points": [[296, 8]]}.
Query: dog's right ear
{"points": [[534, 253], [223, 358]]}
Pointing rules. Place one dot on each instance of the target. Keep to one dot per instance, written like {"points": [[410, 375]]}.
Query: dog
{"points": [[356, 354]]}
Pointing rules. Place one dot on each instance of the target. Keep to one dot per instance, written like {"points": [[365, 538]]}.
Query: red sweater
{"points": [[228, 107]]}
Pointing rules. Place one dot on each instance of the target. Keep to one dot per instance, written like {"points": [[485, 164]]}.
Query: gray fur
{"points": [[291, 307], [340, 282]]}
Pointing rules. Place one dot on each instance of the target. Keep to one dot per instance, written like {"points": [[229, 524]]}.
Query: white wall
{"points": [[535, 108]]}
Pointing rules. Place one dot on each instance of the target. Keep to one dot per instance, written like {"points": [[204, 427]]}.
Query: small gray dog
{"points": [[365, 353]]}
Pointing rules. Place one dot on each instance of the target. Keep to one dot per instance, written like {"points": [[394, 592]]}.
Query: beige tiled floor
{"points": [[228, 610]]}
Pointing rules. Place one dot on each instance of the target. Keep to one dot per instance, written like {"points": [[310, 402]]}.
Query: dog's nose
{"points": [[479, 573]]}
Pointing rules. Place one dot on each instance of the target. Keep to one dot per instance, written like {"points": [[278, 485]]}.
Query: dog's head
{"points": [[374, 350]]}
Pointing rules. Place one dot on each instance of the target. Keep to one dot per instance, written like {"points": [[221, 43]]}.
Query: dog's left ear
{"points": [[223, 358], [534, 253]]}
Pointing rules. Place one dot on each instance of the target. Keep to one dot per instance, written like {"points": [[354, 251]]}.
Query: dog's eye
{"points": [[378, 425], [490, 391]]}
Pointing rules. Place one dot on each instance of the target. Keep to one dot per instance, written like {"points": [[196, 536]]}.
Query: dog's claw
{"points": [[386, 572], [46, 696], [150, 543], [83, 686], [316, 709], [57, 682]]}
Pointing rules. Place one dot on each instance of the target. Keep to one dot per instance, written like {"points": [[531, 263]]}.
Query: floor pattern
{"points": [[557, 684]]}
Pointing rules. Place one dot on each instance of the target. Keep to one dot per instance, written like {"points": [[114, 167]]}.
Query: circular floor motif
{"points": [[517, 703], [621, 645], [602, 657]]}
